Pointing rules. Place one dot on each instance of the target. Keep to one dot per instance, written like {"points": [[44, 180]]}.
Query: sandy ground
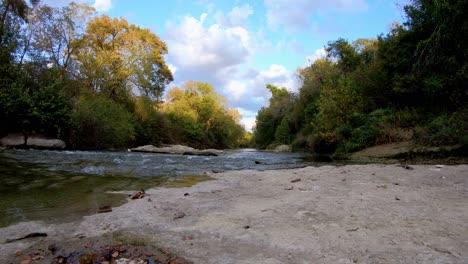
{"points": [[333, 214]]}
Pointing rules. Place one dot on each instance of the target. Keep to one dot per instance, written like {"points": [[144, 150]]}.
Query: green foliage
{"points": [[265, 128], [272, 124], [445, 129], [200, 117], [33, 103], [282, 133], [337, 104], [374, 91], [100, 123], [151, 126]]}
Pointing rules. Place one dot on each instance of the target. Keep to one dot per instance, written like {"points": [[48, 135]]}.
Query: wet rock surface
{"points": [[119, 247]]}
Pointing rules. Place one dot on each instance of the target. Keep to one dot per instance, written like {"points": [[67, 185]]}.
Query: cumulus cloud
{"points": [[220, 54], [238, 16], [255, 95], [194, 46], [248, 118], [296, 15], [102, 5]]}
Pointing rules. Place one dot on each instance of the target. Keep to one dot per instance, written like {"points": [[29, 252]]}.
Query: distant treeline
{"points": [[410, 84], [96, 82]]}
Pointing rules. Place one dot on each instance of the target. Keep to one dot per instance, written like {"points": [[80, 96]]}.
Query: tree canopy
{"points": [[409, 84], [97, 82]]}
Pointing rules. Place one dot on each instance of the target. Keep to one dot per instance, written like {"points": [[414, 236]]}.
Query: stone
{"points": [[283, 148], [45, 143], [34, 141], [179, 215], [12, 140], [178, 149]]}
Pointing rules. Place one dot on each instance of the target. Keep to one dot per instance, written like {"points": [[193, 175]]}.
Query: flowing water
{"points": [[61, 186]]}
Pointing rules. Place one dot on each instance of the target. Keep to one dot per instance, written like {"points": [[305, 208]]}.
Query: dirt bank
{"points": [[329, 214]]}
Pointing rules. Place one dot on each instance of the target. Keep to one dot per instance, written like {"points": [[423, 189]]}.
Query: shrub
{"points": [[100, 123], [445, 129]]}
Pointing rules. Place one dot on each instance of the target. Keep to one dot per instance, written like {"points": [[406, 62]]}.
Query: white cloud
{"points": [[194, 46], [102, 5], [238, 16], [236, 88], [220, 54], [296, 15], [248, 118], [319, 54]]}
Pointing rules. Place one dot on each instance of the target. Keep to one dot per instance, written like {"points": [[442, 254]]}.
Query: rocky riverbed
{"points": [[329, 214]]}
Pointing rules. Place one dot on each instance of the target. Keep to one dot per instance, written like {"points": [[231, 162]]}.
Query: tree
{"points": [[337, 104], [270, 118], [202, 117], [55, 34], [118, 59], [100, 123]]}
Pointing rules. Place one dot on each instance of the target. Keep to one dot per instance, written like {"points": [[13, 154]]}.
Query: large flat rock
{"points": [[177, 149], [34, 141], [330, 214]]}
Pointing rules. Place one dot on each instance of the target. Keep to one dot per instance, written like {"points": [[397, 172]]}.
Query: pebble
{"points": [[179, 215]]}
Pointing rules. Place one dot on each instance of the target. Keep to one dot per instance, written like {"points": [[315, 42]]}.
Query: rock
{"points": [[27, 260], [406, 167], [105, 209], [45, 143], [34, 141], [296, 180], [282, 148], [179, 215], [178, 149], [12, 140], [137, 195], [30, 235], [52, 248]]}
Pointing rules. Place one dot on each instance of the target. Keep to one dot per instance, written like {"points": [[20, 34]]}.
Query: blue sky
{"points": [[239, 46]]}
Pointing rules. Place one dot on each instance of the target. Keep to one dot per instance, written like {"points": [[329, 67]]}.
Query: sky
{"points": [[239, 46]]}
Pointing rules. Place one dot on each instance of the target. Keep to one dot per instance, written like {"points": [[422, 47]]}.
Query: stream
{"points": [[63, 186]]}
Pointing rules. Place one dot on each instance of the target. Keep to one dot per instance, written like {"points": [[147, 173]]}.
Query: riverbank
{"points": [[329, 214]]}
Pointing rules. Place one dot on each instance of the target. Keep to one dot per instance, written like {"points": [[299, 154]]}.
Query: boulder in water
{"points": [[283, 148], [178, 149], [34, 141]]}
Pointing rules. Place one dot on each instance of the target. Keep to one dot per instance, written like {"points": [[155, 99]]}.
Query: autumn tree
{"points": [[118, 59]]}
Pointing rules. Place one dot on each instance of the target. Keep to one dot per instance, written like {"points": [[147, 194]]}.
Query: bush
{"points": [[100, 123], [151, 126], [445, 129], [282, 134]]}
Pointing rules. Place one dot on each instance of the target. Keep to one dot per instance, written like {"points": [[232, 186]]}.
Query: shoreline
{"points": [[327, 214]]}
